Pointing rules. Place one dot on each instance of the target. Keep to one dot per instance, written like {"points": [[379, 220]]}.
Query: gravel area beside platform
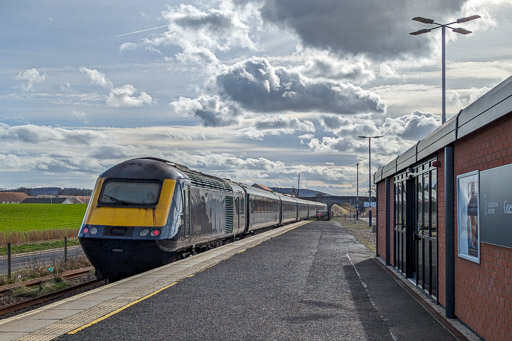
{"points": [[360, 230]]}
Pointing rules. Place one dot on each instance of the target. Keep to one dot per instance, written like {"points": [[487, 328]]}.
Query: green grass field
{"points": [[37, 217]]}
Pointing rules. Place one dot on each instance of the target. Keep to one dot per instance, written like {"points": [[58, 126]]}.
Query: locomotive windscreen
{"points": [[130, 193]]}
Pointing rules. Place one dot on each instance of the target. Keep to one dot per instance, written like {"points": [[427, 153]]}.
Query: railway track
{"points": [[9, 309]]}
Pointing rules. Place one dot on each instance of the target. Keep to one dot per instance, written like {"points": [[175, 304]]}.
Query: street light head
{"points": [[461, 31], [425, 30], [423, 20], [378, 137], [363, 137], [473, 17]]}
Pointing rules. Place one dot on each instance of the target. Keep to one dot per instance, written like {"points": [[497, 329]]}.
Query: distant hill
{"points": [[303, 192]]}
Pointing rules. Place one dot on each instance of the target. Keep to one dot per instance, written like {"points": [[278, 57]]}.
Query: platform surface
{"points": [[310, 281]]}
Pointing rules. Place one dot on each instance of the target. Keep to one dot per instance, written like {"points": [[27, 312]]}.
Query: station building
{"points": [[444, 214]]}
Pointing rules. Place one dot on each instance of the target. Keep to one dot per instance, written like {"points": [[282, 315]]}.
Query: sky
{"points": [[257, 91]]}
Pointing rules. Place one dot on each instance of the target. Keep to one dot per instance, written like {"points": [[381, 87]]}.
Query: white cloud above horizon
{"points": [[246, 89]]}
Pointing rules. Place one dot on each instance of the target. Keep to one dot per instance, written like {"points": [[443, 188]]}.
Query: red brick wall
{"points": [[483, 292], [381, 201], [382, 220]]}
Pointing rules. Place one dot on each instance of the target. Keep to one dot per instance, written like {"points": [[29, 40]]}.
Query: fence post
{"points": [[9, 260], [65, 249]]}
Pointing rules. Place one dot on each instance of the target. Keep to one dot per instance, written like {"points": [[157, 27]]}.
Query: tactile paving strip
{"points": [[85, 317]]}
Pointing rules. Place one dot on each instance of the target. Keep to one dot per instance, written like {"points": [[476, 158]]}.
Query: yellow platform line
{"points": [[104, 317]]}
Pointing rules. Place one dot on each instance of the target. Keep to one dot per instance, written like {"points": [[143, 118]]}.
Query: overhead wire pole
{"points": [[443, 52], [298, 186], [370, 173]]}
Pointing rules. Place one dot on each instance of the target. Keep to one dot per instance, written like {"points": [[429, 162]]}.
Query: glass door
{"points": [[400, 218], [425, 229]]}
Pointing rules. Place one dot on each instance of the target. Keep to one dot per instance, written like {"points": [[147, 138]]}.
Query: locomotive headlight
{"points": [[93, 230], [144, 232], [155, 232]]}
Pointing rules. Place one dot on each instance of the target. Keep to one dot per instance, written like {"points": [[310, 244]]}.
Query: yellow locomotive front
{"points": [[132, 221]]}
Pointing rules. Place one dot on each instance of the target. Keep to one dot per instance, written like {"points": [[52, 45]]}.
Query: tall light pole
{"points": [[298, 186], [370, 172], [357, 192], [443, 29]]}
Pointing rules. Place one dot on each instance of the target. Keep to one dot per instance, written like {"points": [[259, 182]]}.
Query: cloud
{"points": [[127, 46], [277, 125], [30, 77], [33, 134], [350, 125], [412, 127], [109, 152], [66, 162], [325, 64], [258, 86], [399, 133], [97, 77], [375, 28], [463, 98], [11, 161], [80, 115], [212, 111], [199, 32], [124, 96]]}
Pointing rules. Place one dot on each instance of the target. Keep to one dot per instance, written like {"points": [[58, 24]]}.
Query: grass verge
{"points": [[35, 269]]}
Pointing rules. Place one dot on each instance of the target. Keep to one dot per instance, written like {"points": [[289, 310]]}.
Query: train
{"points": [[147, 212]]}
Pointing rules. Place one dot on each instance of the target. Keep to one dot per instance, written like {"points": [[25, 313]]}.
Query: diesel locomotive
{"points": [[147, 212]]}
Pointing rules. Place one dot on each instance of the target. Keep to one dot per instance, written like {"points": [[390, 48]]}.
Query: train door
{"points": [[241, 213], [236, 212]]}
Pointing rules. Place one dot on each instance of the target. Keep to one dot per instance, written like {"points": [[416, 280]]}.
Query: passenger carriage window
{"points": [[122, 193]]}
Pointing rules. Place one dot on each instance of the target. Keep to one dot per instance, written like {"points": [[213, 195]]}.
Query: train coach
{"points": [[147, 212]]}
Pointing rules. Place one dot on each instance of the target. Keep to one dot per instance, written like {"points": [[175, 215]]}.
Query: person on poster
{"points": [[472, 219]]}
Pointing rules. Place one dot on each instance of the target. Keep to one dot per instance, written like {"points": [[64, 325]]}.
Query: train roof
{"points": [[143, 168], [260, 192]]}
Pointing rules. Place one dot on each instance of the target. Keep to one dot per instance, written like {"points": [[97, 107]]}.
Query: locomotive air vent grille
{"points": [[229, 214], [204, 182]]}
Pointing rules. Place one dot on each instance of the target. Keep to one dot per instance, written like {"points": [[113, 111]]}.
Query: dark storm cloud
{"points": [[258, 86], [376, 28]]}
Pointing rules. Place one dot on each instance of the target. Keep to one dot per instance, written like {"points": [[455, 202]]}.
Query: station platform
{"points": [[304, 281]]}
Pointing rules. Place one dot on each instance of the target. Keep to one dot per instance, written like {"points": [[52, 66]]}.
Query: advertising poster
{"points": [[496, 206], [468, 226]]}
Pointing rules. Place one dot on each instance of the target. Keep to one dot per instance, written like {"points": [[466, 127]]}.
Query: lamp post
{"points": [[443, 30], [370, 172], [357, 192]]}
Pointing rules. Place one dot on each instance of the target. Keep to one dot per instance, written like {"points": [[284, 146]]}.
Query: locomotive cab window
{"points": [[130, 193]]}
